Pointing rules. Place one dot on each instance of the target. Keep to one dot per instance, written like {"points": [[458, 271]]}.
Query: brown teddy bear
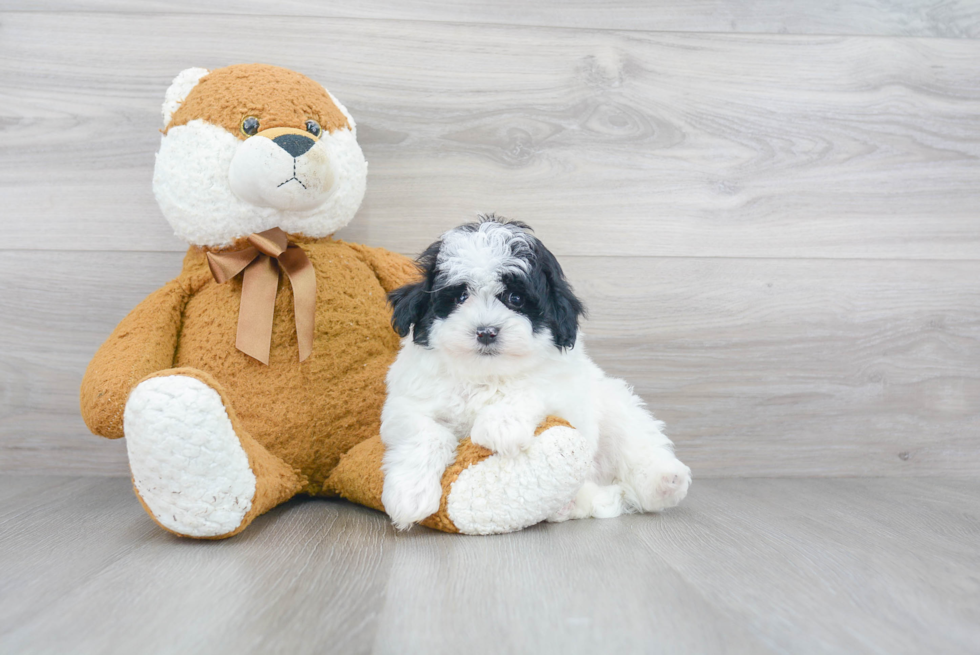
{"points": [[258, 373]]}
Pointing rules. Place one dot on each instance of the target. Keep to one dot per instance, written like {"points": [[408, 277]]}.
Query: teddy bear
{"points": [[258, 373]]}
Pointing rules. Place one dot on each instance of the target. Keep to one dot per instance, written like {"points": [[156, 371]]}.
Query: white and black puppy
{"points": [[491, 347]]}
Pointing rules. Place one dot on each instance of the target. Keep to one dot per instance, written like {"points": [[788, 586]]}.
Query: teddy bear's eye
{"points": [[250, 126], [313, 127]]}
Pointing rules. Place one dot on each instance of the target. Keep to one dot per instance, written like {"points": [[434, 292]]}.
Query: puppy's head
{"points": [[250, 147], [490, 292]]}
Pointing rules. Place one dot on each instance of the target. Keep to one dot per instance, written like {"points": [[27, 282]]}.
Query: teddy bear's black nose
{"points": [[294, 144]]}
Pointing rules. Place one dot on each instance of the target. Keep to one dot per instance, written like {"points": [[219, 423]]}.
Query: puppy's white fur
{"points": [[452, 386]]}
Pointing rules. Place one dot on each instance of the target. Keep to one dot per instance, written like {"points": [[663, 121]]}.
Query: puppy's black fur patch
{"points": [[547, 299], [412, 303], [558, 306]]}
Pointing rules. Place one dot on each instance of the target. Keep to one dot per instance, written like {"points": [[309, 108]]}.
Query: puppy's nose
{"points": [[294, 144], [486, 335]]}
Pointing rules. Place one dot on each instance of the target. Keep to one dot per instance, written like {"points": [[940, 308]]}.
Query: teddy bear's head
{"points": [[251, 147]]}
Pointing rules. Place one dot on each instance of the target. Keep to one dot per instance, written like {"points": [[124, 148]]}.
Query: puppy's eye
{"points": [[250, 126], [461, 298], [313, 127], [515, 299]]}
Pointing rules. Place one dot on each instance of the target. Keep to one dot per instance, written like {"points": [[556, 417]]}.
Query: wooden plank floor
{"points": [[743, 566]]}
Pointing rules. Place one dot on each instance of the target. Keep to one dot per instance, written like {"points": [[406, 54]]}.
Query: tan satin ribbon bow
{"points": [[269, 250]]}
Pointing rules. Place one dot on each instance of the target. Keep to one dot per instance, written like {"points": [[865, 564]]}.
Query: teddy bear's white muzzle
{"points": [[290, 172]]}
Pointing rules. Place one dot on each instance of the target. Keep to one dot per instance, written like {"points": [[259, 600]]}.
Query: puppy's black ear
{"points": [[563, 306], [408, 305]]}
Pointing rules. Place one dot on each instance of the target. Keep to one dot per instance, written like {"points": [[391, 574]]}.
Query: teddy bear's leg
{"points": [[502, 494], [484, 493], [196, 472]]}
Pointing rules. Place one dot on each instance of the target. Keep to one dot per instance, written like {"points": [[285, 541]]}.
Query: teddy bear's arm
{"points": [[393, 270], [143, 343]]}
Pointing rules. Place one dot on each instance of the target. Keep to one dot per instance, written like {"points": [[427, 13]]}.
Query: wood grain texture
{"points": [[328, 557], [777, 235], [935, 18], [759, 367], [743, 566], [616, 143], [52, 322], [555, 589]]}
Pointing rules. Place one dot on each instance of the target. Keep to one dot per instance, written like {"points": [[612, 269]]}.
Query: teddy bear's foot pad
{"points": [[188, 465], [504, 494]]}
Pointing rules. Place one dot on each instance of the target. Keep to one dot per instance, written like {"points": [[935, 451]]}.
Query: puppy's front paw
{"points": [[503, 431], [409, 501]]}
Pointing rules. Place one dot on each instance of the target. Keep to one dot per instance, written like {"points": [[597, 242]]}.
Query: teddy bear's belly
{"points": [[308, 413]]}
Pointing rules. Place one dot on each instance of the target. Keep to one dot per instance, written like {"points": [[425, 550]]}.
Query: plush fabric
{"points": [[358, 478], [311, 412], [277, 96], [203, 142], [215, 437], [243, 479], [181, 87]]}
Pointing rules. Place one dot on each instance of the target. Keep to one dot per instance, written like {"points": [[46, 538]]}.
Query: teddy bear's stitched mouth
{"points": [[293, 177]]}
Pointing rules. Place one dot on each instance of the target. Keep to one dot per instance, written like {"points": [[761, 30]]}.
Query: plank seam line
{"points": [[951, 260], [158, 14]]}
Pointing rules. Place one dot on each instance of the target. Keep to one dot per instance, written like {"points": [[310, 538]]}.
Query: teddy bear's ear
{"points": [[343, 110], [179, 89]]}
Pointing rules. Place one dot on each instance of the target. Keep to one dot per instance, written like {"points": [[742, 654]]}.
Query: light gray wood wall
{"points": [[940, 18], [772, 209]]}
